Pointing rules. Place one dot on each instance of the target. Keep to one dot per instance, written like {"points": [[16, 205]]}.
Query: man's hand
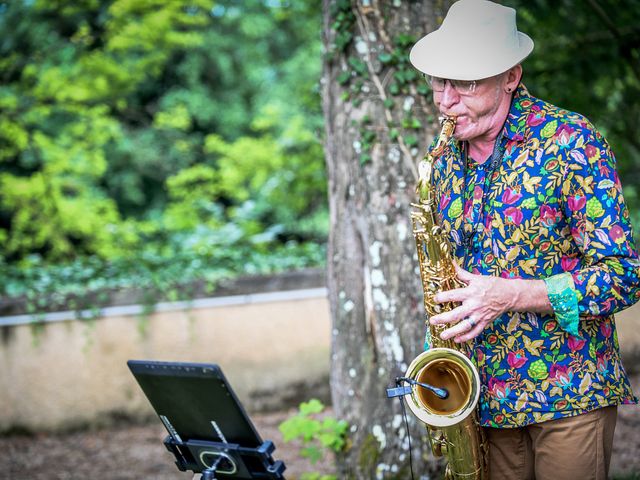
{"points": [[483, 299]]}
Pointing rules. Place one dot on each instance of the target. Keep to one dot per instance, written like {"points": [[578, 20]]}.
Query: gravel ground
{"points": [[125, 452], [136, 452]]}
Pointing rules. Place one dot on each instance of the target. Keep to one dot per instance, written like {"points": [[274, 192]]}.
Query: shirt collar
{"points": [[514, 126]]}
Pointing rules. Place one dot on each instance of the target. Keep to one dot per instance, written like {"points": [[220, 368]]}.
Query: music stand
{"points": [[209, 430]]}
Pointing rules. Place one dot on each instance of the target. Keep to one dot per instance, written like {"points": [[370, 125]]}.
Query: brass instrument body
{"points": [[453, 425]]}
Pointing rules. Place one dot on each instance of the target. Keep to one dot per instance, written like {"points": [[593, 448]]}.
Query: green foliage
{"points": [[316, 476], [388, 73], [192, 194], [319, 433], [137, 129], [68, 68], [177, 272], [133, 130]]}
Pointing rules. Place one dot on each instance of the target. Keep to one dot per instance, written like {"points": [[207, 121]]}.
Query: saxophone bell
{"points": [[448, 370]]}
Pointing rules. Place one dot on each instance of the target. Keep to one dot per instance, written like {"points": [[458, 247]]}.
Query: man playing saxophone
{"points": [[531, 199]]}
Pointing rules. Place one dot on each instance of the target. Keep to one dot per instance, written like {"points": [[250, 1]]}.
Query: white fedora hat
{"points": [[477, 39]]}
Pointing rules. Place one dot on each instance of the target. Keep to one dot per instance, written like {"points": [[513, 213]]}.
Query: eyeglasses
{"points": [[463, 87]]}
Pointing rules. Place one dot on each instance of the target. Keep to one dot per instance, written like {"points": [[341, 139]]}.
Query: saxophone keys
{"points": [[438, 443]]}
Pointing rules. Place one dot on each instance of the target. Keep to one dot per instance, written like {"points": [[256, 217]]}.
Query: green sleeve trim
{"points": [[427, 339], [564, 300]]}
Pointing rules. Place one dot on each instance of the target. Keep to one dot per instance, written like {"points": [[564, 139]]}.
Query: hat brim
{"points": [[441, 57]]}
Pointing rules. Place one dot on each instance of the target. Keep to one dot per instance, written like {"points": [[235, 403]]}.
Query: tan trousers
{"points": [[567, 449]]}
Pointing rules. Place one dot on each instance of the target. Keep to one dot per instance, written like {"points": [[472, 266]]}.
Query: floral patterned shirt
{"points": [[547, 205]]}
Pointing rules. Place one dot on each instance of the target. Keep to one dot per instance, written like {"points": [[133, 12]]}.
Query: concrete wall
{"points": [[74, 373]]}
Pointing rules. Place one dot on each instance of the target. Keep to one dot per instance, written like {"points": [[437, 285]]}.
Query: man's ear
{"points": [[514, 74]]}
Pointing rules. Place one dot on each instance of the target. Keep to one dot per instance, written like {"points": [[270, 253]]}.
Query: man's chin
{"points": [[460, 136], [464, 131]]}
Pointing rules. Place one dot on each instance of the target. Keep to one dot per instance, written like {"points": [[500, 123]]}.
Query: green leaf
{"points": [[411, 140], [312, 406], [410, 75], [312, 453], [423, 89], [385, 57], [404, 40], [368, 136], [343, 78], [399, 75], [358, 65]]}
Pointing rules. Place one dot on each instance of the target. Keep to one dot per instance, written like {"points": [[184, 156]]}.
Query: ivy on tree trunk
{"points": [[379, 119]]}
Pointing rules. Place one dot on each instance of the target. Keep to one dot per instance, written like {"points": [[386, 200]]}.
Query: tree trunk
{"points": [[379, 118]]}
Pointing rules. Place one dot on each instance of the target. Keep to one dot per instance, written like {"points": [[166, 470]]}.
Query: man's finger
{"points": [[469, 335], [454, 315], [458, 329], [463, 275], [454, 295]]}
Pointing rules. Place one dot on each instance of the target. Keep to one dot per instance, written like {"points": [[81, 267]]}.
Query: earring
{"points": [[508, 90]]}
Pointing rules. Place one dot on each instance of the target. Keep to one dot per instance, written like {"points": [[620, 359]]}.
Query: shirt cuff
{"points": [[427, 339], [564, 300]]}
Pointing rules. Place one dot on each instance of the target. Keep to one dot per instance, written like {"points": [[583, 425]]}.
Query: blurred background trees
{"points": [[148, 141]]}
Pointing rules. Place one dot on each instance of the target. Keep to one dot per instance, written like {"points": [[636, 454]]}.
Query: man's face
{"points": [[477, 112]]}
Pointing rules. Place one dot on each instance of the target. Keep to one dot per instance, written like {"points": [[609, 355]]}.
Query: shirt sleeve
{"points": [[608, 279]]}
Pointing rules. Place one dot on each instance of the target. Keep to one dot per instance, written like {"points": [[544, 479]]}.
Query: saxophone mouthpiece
{"points": [[442, 118], [448, 125]]}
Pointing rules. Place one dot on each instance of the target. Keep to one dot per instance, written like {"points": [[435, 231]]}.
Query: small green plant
{"points": [[319, 434]]}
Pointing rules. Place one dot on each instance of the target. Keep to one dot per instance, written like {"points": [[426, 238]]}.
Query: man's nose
{"points": [[449, 95]]}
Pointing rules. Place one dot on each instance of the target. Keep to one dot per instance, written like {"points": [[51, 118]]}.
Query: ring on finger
{"points": [[472, 322]]}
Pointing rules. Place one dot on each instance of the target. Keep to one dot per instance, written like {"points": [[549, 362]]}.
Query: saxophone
{"points": [[452, 422]]}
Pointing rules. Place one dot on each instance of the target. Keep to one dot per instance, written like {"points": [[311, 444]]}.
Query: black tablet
{"points": [[195, 402]]}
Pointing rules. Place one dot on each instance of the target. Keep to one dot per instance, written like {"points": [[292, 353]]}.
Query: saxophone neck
{"points": [[448, 126], [426, 164]]}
